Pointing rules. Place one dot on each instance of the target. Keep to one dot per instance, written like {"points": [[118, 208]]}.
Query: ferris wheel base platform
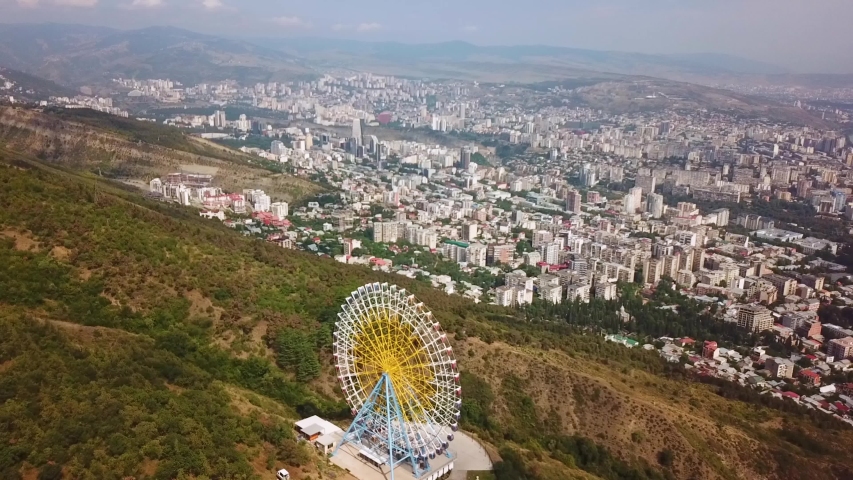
{"points": [[350, 458]]}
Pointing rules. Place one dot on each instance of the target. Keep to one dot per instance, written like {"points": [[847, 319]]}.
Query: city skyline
{"points": [[760, 30]]}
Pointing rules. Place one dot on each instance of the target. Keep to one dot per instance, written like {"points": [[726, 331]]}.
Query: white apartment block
{"points": [[280, 210]]}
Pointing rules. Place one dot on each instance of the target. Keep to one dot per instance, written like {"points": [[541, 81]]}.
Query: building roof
{"points": [[316, 425], [844, 342], [326, 440], [457, 243]]}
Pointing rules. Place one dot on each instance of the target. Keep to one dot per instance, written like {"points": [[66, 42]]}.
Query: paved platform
{"points": [[467, 454], [349, 459], [470, 455]]}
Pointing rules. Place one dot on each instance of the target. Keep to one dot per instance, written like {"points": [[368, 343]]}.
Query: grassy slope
{"points": [[199, 300], [135, 150]]}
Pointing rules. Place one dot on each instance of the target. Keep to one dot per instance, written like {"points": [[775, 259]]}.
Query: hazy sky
{"points": [[803, 35]]}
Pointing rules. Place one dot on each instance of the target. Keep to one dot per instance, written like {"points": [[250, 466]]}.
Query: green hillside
{"points": [[136, 151], [138, 340]]}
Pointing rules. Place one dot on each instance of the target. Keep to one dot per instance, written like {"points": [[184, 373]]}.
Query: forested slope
{"points": [[137, 339]]}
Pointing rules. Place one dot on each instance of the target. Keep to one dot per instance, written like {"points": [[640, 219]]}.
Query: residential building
{"points": [[578, 291], [685, 278], [754, 318], [550, 253], [646, 183], [505, 296], [813, 281], [840, 348], [784, 285], [722, 217], [593, 197], [573, 201], [653, 270], [385, 232], [477, 254], [470, 232], [279, 210], [710, 350], [541, 237], [588, 176], [809, 329], [779, 367], [551, 293], [351, 244], [518, 278], [455, 251], [357, 132], [810, 377], [654, 205], [501, 254], [605, 291]]}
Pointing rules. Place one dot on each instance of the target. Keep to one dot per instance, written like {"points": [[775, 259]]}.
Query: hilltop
{"points": [[113, 303], [77, 55], [30, 87], [136, 151]]}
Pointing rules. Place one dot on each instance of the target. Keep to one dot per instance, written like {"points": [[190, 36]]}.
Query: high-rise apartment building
{"points": [[754, 318], [470, 232], [722, 217], [550, 253], [357, 133], [785, 285], [646, 183], [617, 174], [573, 201], [654, 205], [385, 232], [630, 204], [502, 254], [588, 176], [840, 348], [279, 210], [578, 291], [637, 192], [477, 254], [653, 270], [541, 237]]}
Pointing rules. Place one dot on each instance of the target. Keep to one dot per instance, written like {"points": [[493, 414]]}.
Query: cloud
{"points": [[76, 3], [470, 28], [147, 3], [292, 22], [339, 27], [367, 27], [212, 4], [28, 3]]}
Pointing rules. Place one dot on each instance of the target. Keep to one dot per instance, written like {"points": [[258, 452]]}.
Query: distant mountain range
{"points": [[76, 55], [532, 55]]}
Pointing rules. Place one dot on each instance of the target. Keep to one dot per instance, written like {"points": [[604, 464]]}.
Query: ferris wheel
{"points": [[399, 376]]}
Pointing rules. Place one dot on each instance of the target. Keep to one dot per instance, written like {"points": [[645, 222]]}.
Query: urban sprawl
{"points": [[513, 195]]}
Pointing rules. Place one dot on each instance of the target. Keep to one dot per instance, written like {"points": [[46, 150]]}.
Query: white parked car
{"points": [[282, 475]]}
